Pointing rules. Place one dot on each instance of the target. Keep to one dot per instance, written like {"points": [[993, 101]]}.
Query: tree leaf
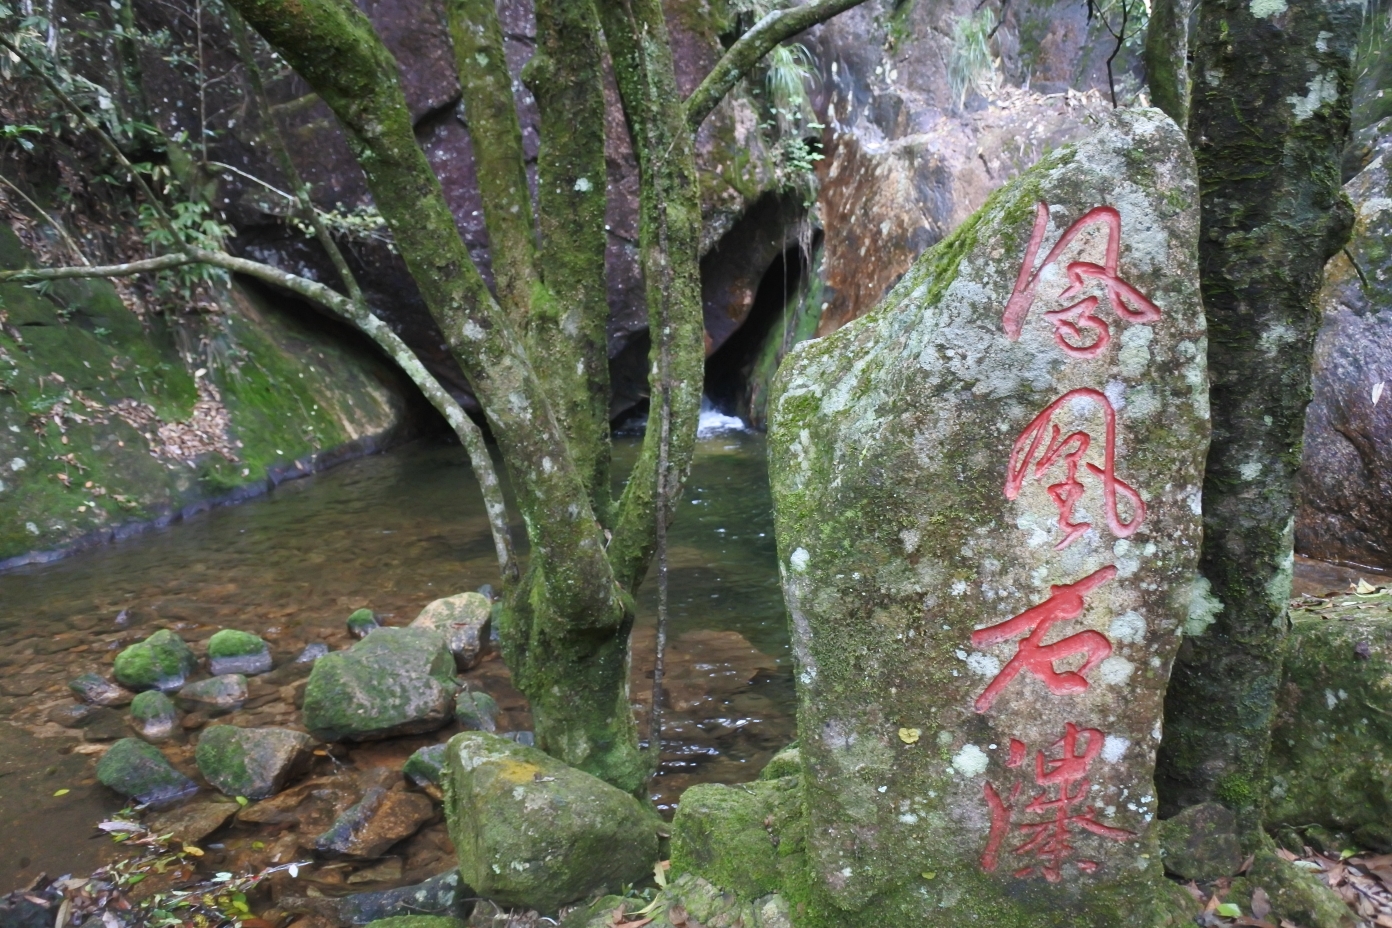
{"points": [[1229, 910]]}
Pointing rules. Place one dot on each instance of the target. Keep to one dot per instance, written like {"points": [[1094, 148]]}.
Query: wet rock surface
{"points": [[213, 696], [377, 821], [99, 691], [463, 620], [476, 711], [135, 769], [1007, 451], [1201, 843], [232, 651], [533, 832]]}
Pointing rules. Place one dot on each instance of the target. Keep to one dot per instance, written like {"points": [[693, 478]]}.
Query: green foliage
{"points": [[191, 224], [970, 64]]}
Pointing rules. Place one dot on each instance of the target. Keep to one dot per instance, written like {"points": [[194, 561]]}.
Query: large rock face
{"points": [[1346, 478], [987, 504]]}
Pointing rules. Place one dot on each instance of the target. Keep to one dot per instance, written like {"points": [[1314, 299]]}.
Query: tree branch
{"points": [[33, 274], [772, 30]]}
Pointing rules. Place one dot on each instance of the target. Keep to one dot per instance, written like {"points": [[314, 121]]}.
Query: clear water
{"points": [[390, 532]]}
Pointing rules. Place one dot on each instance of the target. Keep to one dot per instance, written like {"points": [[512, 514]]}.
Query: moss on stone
{"points": [[746, 839], [395, 681], [162, 661], [233, 643], [417, 921], [150, 706], [139, 771]]}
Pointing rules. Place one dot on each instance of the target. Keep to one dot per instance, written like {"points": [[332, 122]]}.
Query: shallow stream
{"points": [[390, 532]]}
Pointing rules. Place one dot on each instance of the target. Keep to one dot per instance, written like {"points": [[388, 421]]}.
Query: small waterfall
{"points": [[713, 422]]}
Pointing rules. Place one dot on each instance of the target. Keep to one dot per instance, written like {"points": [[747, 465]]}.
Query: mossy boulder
{"points": [[443, 897], [746, 839], [463, 620], [531, 831], [396, 681], [1201, 843], [1295, 896], [688, 900], [416, 921], [139, 771], [251, 762], [1007, 451], [163, 661], [152, 714], [233, 651], [1331, 747], [362, 623], [476, 711], [786, 763]]}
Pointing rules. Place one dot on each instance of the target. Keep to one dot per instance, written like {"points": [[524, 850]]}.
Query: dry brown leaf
{"points": [[1247, 864], [1261, 903], [1286, 855], [1383, 921], [1193, 889], [1252, 922]]}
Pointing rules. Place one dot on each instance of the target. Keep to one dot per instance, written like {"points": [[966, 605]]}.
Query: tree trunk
{"points": [[1269, 118]]}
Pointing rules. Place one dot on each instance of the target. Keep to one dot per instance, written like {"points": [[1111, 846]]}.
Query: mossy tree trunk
{"points": [[1269, 118], [536, 351]]}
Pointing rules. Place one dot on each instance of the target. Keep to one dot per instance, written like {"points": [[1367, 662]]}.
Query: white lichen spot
{"points": [[31, 528], [1134, 356], [983, 665], [910, 538], [1330, 698], [473, 331], [1371, 207], [583, 185], [971, 761], [1142, 401], [799, 560], [1203, 607], [548, 466], [1115, 670], [18, 464], [1196, 501], [1323, 89], [958, 587], [1251, 470], [1116, 394], [1128, 628], [1114, 748], [1263, 9], [908, 818]]}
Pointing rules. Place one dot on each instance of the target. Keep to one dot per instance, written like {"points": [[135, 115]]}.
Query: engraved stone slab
{"points": [[987, 499]]}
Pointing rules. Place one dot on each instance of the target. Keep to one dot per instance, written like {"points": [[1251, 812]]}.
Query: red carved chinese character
{"points": [[1075, 320], [1050, 840], [1071, 450], [1064, 603]]}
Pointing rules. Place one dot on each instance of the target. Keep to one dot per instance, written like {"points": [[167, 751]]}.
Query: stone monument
{"points": [[987, 498]]}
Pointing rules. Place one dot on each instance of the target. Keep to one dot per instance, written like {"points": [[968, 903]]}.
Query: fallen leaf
{"points": [[1377, 391], [1247, 864], [1229, 910], [909, 735], [1193, 889], [1364, 587], [930, 874], [1261, 903], [195, 851], [62, 792]]}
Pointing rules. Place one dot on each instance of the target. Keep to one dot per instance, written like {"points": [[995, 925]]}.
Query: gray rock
{"points": [[232, 651], [97, 690], [152, 715], [251, 762], [312, 652], [1201, 843], [445, 895], [395, 681], [525, 738], [104, 725], [163, 661], [985, 462], [72, 715], [139, 771], [463, 620], [476, 711], [214, 695], [531, 831]]}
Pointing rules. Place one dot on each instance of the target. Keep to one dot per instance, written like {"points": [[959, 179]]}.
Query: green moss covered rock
{"points": [[531, 831], [139, 771], [426, 767], [416, 921], [786, 763], [163, 661], [152, 714], [1201, 843], [1331, 747], [362, 622], [476, 711], [251, 762], [747, 839], [232, 651], [396, 681]]}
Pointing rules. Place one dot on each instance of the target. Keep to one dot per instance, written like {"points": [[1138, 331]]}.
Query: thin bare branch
{"points": [[34, 274], [57, 226], [773, 29]]}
